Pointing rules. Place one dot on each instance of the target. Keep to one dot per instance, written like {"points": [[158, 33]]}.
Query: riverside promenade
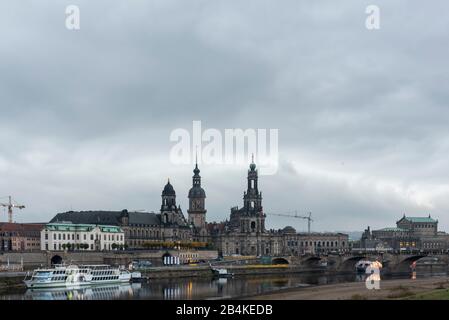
{"points": [[416, 289]]}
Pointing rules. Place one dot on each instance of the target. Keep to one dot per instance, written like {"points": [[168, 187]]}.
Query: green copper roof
{"points": [[392, 229], [80, 227], [421, 219]]}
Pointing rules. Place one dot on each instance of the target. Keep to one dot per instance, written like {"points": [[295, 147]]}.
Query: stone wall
{"points": [[43, 258]]}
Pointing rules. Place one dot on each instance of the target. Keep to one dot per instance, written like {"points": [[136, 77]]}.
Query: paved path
{"points": [[12, 274], [389, 289]]}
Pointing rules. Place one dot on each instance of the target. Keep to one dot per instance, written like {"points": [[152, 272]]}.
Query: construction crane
{"points": [[308, 217], [11, 205]]}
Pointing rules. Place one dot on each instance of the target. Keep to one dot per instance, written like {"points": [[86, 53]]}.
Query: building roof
{"points": [[147, 218], [21, 227], [168, 190], [421, 219], [289, 229], [197, 192], [392, 229], [89, 217], [81, 227], [111, 218]]}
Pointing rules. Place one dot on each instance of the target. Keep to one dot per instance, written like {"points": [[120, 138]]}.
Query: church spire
{"points": [[252, 166], [196, 171]]}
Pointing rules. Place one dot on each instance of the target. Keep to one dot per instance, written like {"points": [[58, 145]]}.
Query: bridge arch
{"points": [[279, 260], [310, 261], [349, 263], [405, 263]]}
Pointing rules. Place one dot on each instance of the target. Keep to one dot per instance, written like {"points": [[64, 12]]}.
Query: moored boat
{"points": [[221, 272], [74, 276]]}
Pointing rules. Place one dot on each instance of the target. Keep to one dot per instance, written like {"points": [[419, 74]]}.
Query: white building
{"points": [[68, 236]]}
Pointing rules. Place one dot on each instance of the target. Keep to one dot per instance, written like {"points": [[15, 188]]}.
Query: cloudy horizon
{"points": [[86, 115]]}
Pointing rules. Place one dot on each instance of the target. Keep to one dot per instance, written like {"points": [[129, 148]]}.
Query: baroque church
{"points": [[243, 234]]}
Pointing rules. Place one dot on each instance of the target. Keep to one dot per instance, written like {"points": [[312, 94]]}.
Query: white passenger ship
{"points": [[73, 276]]}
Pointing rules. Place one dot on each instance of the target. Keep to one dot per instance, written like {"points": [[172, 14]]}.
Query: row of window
{"points": [[77, 246], [407, 244], [62, 236], [331, 244], [144, 233], [424, 226], [19, 234], [188, 255], [105, 278], [103, 272], [59, 246], [429, 245]]}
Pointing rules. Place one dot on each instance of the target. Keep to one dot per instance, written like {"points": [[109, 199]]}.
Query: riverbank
{"points": [[425, 288], [238, 270]]}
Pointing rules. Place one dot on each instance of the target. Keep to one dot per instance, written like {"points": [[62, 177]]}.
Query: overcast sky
{"points": [[362, 114]]}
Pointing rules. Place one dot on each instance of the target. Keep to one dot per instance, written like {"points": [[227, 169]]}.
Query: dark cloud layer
{"points": [[86, 115]]}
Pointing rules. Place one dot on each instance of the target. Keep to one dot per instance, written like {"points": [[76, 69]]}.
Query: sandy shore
{"points": [[389, 289]]}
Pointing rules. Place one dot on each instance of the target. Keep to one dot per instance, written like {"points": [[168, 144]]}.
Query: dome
{"points": [[197, 192], [289, 229], [252, 166], [168, 190]]}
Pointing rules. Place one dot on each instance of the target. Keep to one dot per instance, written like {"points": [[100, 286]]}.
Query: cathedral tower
{"points": [[252, 218], [168, 198], [197, 196]]}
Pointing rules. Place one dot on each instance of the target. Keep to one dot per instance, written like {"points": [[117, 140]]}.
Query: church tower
{"points": [[252, 218], [174, 226], [168, 198], [197, 208]]}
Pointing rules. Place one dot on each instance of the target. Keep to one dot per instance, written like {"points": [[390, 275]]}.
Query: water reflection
{"points": [[103, 292], [193, 288]]}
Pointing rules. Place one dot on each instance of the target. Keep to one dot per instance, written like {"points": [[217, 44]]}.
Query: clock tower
{"points": [[197, 211]]}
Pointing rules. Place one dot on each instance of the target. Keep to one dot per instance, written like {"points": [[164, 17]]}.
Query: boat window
{"points": [[43, 274]]}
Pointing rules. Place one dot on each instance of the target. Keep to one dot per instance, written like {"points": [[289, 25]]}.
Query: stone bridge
{"points": [[390, 262]]}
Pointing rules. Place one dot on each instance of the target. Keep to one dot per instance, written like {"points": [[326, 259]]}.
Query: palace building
{"points": [[61, 236], [410, 233]]}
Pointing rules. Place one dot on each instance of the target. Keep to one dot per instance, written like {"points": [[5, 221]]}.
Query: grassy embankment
{"points": [[401, 292]]}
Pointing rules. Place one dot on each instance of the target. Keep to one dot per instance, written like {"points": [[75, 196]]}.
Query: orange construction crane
{"points": [[11, 205]]}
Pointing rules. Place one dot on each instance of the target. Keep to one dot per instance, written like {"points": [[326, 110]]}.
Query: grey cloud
{"points": [[362, 114]]}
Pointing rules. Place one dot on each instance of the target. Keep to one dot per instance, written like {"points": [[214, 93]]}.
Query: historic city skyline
{"points": [[87, 114]]}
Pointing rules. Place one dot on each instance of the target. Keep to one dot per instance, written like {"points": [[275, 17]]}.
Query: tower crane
{"points": [[10, 206], [308, 217]]}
